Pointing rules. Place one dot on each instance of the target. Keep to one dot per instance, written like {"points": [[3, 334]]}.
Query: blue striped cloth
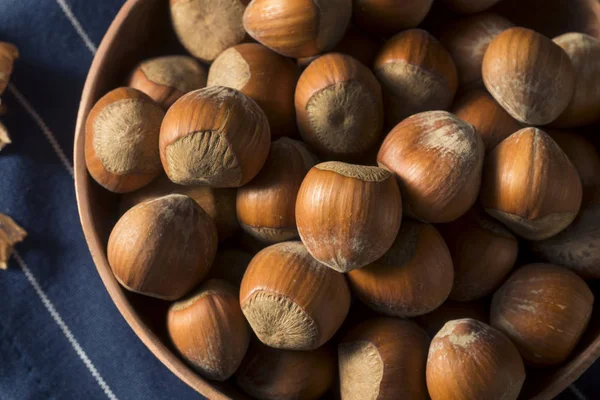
{"points": [[61, 337]]}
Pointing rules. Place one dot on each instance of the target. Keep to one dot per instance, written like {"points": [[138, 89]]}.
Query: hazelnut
{"points": [[165, 79], [356, 44], [266, 207], [8, 54], [207, 27], [471, 360], [413, 278], [387, 17], [214, 136], [583, 51], [544, 309], [339, 107], [230, 265], [209, 330], [263, 75], [489, 119], [219, 204], [292, 301], [483, 253], [467, 39], [417, 74], [163, 247], [530, 185], [298, 28], [121, 140], [273, 374], [578, 246], [434, 321], [438, 160], [383, 359], [582, 153], [348, 215], [520, 69], [469, 6]]}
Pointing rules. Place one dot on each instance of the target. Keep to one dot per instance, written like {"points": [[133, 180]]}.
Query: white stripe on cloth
{"points": [[67, 10], [43, 126], [68, 166], [63, 327], [577, 392]]}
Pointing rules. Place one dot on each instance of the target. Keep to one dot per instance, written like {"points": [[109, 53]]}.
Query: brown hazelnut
{"points": [[291, 300], [121, 140], [530, 185], [8, 54], [339, 107], [215, 136], [387, 17], [348, 215], [583, 51], [471, 360], [207, 27], [266, 207], [165, 79], [483, 254], [468, 38], [434, 321], [209, 330], [489, 119], [218, 203], [413, 278], [578, 246], [582, 154], [163, 247], [544, 309], [355, 43], [273, 374], [383, 359], [438, 160], [416, 73], [469, 6], [263, 75], [529, 75], [298, 28]]}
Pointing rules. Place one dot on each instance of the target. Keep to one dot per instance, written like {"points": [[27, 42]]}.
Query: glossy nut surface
{"points": [[530, 185], [416, 73], [292, 301], [387, 17], [298, 28], [413, 278], [263, 75], [215, 136], [163, 247], [383, 359], [544, 309], [348, 215], [339, 107], [266, 207], [469, 360], [209, 330], [165, 79], [438, 160], [121, 139], [520, 68]]}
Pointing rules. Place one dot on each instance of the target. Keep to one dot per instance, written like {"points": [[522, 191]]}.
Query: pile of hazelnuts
{"points": [[321, 221]]}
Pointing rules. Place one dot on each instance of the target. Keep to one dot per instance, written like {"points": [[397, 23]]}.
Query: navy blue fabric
{"points": [[53, 271]]}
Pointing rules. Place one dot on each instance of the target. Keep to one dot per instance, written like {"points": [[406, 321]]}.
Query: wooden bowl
{"points": [[141, 30]]}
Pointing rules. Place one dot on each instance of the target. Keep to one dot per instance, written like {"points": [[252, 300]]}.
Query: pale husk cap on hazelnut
{"points": [[180, 72], [207, 27]]}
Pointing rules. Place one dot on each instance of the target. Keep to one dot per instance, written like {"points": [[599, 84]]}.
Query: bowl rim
{"points": [[95, 246], [562, 378]]}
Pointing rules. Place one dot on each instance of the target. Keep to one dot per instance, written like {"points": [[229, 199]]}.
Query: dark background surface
{"points": [[61, 337]]}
